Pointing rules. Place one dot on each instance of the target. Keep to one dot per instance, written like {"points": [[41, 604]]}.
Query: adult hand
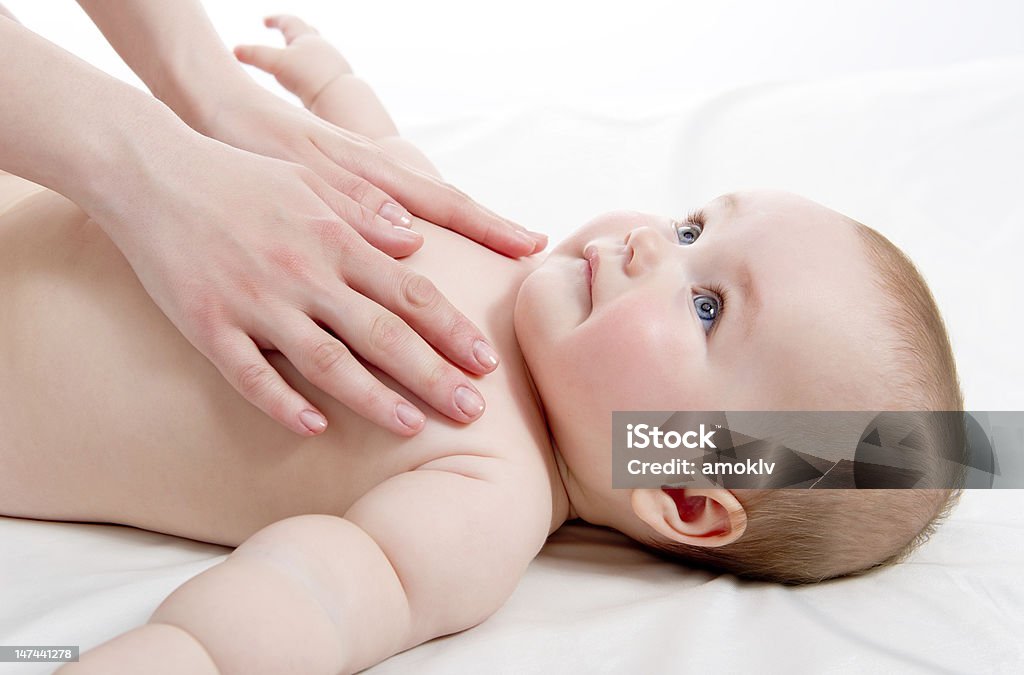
{"points": [[237, 272], [241, 251], [176, 51], [288, 244], [255, 119]]}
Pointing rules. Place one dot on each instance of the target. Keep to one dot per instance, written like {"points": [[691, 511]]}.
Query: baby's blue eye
{"points": [[687, 233], [707, 309]]}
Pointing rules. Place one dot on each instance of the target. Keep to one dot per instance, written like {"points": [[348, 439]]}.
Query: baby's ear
{"points": [[695, 516]]}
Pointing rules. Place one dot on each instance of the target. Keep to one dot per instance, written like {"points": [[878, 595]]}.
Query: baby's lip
{"points": [[593, 258]]}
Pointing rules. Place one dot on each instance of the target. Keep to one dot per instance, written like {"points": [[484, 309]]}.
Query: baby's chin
{"points": [[551, 301]]}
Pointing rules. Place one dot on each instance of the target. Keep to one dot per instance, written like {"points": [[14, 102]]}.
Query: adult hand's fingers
{"points": [[361, 169], [383, 339], [370, 272], [245, 367], [416, 300], [390, 230], [437, 201], [327, 363]]}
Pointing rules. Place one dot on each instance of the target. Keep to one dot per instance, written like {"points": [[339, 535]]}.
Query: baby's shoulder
{"points": [[510, 480]]}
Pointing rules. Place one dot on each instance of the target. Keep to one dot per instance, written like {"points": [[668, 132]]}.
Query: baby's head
{"points": [[759, 301]]}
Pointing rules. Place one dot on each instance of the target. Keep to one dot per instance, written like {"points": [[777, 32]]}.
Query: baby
{"points": [[357, 544]]}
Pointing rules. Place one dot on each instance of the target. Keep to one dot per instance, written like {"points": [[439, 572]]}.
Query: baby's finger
{"points": [[290, 26], [265, 58], [245, 367]]}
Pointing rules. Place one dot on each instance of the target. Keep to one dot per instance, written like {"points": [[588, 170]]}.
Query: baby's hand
{"points": [[305, 66]]}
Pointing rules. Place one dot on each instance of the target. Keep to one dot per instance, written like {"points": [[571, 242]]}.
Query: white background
{"points": [[430, 59]]}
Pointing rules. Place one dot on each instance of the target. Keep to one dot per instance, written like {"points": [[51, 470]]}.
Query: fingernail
{"points": [[409, 416], [394, 213], [485, 355], [313, 421], [526, 239], [406, 233], [541, 240], [468, 401]]}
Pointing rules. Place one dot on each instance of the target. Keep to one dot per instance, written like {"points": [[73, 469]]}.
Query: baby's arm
{"points": [[312, 69], [424, 554]]}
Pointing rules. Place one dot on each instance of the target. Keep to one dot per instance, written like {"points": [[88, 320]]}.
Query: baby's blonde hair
{"points": [[806, 536]]}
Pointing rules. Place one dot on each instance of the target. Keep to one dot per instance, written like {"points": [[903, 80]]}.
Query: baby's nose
{"points": [[646, 248]]}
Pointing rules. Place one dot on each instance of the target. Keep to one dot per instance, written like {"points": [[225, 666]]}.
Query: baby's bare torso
{"points": [[108, 414]]}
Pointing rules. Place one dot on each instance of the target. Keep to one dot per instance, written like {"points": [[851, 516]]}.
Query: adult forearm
{"points": [[175, 50], [71, 127]]}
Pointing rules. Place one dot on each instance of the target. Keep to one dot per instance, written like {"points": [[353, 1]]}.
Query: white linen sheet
{"points": [[931, 158]]}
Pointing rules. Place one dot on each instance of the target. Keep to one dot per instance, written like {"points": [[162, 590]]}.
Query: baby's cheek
{"points": [[633, 354]]}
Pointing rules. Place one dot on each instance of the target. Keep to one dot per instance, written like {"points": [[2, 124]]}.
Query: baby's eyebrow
{"points": [[727, 202], [751, 300]]}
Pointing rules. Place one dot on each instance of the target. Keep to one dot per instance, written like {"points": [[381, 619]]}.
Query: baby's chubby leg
{"points": [[312, 69]]}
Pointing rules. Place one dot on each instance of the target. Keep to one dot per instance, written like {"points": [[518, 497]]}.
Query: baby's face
{"points": [[769, 306]]}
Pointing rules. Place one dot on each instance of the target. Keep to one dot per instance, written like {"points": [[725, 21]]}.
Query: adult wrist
{"points": [[132, 163], [199, 100], [175, 49]]}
